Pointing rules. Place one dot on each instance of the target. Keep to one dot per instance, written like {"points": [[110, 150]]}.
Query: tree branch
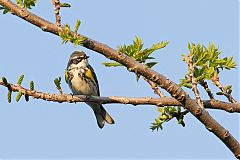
{"points": [[177, 92], [159, 102]]}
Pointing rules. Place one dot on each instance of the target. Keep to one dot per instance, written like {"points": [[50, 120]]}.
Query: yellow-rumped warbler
{"points": [[82, 80]]}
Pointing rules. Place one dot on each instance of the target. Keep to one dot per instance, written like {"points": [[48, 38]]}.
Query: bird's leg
{"points": [[72, 96]]}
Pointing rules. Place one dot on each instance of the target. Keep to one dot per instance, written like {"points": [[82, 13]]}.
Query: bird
{"points": [[82, 80]]}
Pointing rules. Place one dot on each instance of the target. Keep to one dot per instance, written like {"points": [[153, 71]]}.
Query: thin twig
{"points": [[154, 88], [57, 6], [193, 81], [205, 86], [216, 81]]}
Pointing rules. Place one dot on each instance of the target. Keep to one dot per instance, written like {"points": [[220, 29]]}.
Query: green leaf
{"points": [[19, 95], [5, 11], [77, 25], [156, 125], [5, 81], [187, 85], [19, 3], [151, 64], [26, 97], [9, 96], [29, 3], [65, 5], [180, 121], [229, 91], [137, 43], [20, 79], [111, 64], [219, 93], [161, 110], [138, 77], [150, 58], [228, 87], [172, 110], [158, 46], [210, 71], [31, 86]]}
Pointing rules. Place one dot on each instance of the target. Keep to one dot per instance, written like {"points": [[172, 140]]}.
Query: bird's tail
{"points": [[101, 114]]}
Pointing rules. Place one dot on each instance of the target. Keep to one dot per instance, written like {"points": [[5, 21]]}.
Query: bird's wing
{"points": [[68, 76], [91, 75]]}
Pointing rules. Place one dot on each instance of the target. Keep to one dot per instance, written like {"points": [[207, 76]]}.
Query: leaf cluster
{"points": [[206, 63], [67, 36], [136, 51], [26, 3], [20, 94], [166, 114]]}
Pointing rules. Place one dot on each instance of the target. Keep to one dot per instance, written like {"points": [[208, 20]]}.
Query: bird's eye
{"points": [[75, 61], [79, 59]]}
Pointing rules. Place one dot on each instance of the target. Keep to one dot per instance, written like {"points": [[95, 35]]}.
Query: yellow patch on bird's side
{"points": [[89, 74], [66, 76]]}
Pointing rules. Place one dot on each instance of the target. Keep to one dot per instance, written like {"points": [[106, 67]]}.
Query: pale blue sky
{"points": [[40, 129]]}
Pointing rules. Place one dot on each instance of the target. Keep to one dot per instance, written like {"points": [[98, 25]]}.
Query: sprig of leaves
{"points": [[136, 51], [20, 93], [206, 62], [166, 114], [57, 82], [20, 79], [67, 35], [26, 3]]}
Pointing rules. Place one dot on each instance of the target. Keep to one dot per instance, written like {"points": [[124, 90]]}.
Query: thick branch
{"points": [[133, 66], [164, 101]]}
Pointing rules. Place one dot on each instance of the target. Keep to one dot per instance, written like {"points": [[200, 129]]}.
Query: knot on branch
{"points": [[226, 134], [198, 111], [24, 13]]}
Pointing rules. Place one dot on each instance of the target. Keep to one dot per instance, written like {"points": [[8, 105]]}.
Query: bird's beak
{"points": [[87, 57]]}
